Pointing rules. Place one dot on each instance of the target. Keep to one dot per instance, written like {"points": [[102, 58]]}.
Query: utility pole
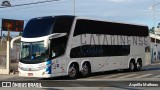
{"points": [[154, 18], [6, 3], [1, 34], [1, 31], [74, 7]]}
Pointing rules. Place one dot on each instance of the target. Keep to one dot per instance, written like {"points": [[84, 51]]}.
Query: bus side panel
{"points": [[98, 64], [122, 62], [137, 52]]}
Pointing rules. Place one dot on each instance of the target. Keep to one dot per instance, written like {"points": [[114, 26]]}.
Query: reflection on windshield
{"points": [[33, 51]]}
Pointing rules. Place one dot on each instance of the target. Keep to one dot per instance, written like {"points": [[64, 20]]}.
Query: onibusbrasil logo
{"points": [[21, 84]]}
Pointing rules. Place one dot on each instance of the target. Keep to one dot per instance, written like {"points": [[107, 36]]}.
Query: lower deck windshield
{"points": [[33, 52]]}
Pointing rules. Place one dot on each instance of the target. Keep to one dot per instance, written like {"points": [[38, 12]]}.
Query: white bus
{"points": [[69, 45]]}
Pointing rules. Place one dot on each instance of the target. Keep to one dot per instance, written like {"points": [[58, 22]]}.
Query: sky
{"points": [[128, 11]]}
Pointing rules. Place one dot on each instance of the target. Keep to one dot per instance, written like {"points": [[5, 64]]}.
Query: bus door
{"points": [[59, 66], [56, 66], [57, 49]]}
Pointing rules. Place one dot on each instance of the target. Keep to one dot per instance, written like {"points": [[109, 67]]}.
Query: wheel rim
{"points": [[85, 69], [132, 66], [72, 72], [138, 65]]}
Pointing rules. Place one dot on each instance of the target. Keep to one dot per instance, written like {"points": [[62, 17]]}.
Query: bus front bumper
{"points": [[38, 74]]}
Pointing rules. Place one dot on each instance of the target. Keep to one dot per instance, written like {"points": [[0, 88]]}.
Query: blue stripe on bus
{"points": [[48, 69]]}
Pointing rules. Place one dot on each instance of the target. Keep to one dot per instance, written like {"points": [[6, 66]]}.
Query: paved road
{"points": [[151, 72], [104, 80]]}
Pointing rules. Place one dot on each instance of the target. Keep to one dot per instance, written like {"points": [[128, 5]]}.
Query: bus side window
{"points": [[57, 47]]}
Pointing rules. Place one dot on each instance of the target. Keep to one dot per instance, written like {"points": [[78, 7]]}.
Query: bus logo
{"points": [[29, 69]]}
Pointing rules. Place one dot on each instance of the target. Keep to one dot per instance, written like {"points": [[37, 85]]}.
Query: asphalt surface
{"points": [[113, 80]]}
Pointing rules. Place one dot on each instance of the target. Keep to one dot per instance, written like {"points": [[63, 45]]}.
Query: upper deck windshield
{"points": [[33, 52], [38, 27]]}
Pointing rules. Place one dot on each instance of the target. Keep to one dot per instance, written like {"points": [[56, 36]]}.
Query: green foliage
{"points": [[20, 33], [151, 30]]}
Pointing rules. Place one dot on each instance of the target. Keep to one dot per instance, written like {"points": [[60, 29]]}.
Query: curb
{"points": [[155, 63]]}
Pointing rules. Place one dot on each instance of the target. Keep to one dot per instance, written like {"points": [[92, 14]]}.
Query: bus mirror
{"points": [[52, 36], [13, 40]]}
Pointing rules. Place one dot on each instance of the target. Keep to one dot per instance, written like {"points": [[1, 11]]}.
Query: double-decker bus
{"points": [[54, 46]]}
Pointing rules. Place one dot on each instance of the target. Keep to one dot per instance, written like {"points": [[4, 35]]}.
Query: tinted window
{"points": [[38, 27], [57, 47], [47, 25], [116, 50], [87, 51], [99, 51], [110, 28], [63, 24]]}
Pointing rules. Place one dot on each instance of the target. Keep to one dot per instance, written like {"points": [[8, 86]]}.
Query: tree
{"points": [[20, 33], [151, 30], [158, 25]]}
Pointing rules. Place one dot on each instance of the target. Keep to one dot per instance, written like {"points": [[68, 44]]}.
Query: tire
{"points": [[138, 66], [73, 71], [132, 66], [86, 70]]}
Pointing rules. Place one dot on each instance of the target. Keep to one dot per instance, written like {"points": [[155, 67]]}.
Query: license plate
{"points": [[30, 74]]}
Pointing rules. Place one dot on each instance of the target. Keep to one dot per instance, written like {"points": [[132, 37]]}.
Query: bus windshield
{"points": [[33, 52], [38, 27]]}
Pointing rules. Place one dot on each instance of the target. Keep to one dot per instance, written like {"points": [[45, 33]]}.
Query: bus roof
{"points": [[81, 17], [78, 17]]}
